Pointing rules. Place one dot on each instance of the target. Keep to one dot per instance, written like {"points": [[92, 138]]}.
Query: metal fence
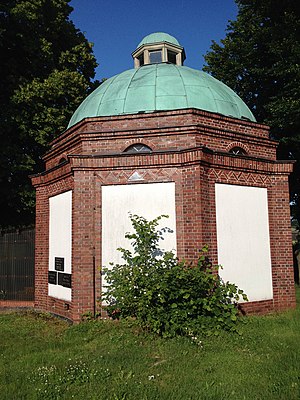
{"points": [[17, 265]]}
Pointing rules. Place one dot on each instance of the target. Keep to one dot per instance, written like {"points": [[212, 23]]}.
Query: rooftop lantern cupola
{"points": [[157, 48]]}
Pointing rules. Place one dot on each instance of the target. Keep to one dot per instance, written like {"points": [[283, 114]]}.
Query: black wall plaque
{"points": [[59, 263], [52, 277], [65, 280]]}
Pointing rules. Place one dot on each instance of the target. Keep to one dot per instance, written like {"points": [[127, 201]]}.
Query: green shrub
{"points": [[165, 295]]}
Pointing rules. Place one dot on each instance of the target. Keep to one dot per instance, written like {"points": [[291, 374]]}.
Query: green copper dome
{"points": [[158, 37], [158, 87]]}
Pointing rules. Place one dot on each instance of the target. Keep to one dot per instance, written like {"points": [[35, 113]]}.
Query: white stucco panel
{"points": [[60, 239], [147, 200], [243, 239]]}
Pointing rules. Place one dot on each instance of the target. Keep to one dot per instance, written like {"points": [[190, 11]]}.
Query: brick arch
{"points": [[238, 144], [131, 142], [62, 158]]}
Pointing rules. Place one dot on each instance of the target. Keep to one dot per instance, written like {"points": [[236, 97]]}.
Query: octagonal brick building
{"points": [[163, 138]]}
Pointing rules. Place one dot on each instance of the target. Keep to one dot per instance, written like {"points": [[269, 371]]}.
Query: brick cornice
{"points": [[159, 123], [193, 112], [196, 130], [52, 175], [182, 157], [171, 158]]}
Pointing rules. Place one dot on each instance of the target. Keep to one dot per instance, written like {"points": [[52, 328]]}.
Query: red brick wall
{"points": [[178, 136], [280, 232], [43, 193], [162, 131]]}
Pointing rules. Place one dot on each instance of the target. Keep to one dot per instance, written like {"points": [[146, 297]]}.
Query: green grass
{"points": [[45, 358]]}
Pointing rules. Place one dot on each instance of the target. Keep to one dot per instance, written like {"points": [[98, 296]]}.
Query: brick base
{"points": [[16, 304]]}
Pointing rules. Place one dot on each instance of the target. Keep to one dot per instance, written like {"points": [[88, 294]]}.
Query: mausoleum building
{"points": [[163, 138]]}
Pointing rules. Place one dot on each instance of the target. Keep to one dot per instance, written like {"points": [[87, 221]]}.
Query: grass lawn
{"points": [[45, 358]]}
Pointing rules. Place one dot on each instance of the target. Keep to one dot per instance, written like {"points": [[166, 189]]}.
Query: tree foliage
{"points": [[166, 296], [260, 60], [46, 69]]}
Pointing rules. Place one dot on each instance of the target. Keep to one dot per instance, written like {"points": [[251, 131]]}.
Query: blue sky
{"points": [[117, 26]]}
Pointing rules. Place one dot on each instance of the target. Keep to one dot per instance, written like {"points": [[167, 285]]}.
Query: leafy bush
{"points": [[165, 295]]}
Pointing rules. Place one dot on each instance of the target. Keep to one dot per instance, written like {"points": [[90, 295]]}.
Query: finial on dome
{"points": [[156, 48]]}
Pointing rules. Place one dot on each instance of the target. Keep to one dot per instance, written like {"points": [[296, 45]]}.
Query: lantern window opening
{"points": [[141, 59], [156, 53], [155, 56], [172, 57]]}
